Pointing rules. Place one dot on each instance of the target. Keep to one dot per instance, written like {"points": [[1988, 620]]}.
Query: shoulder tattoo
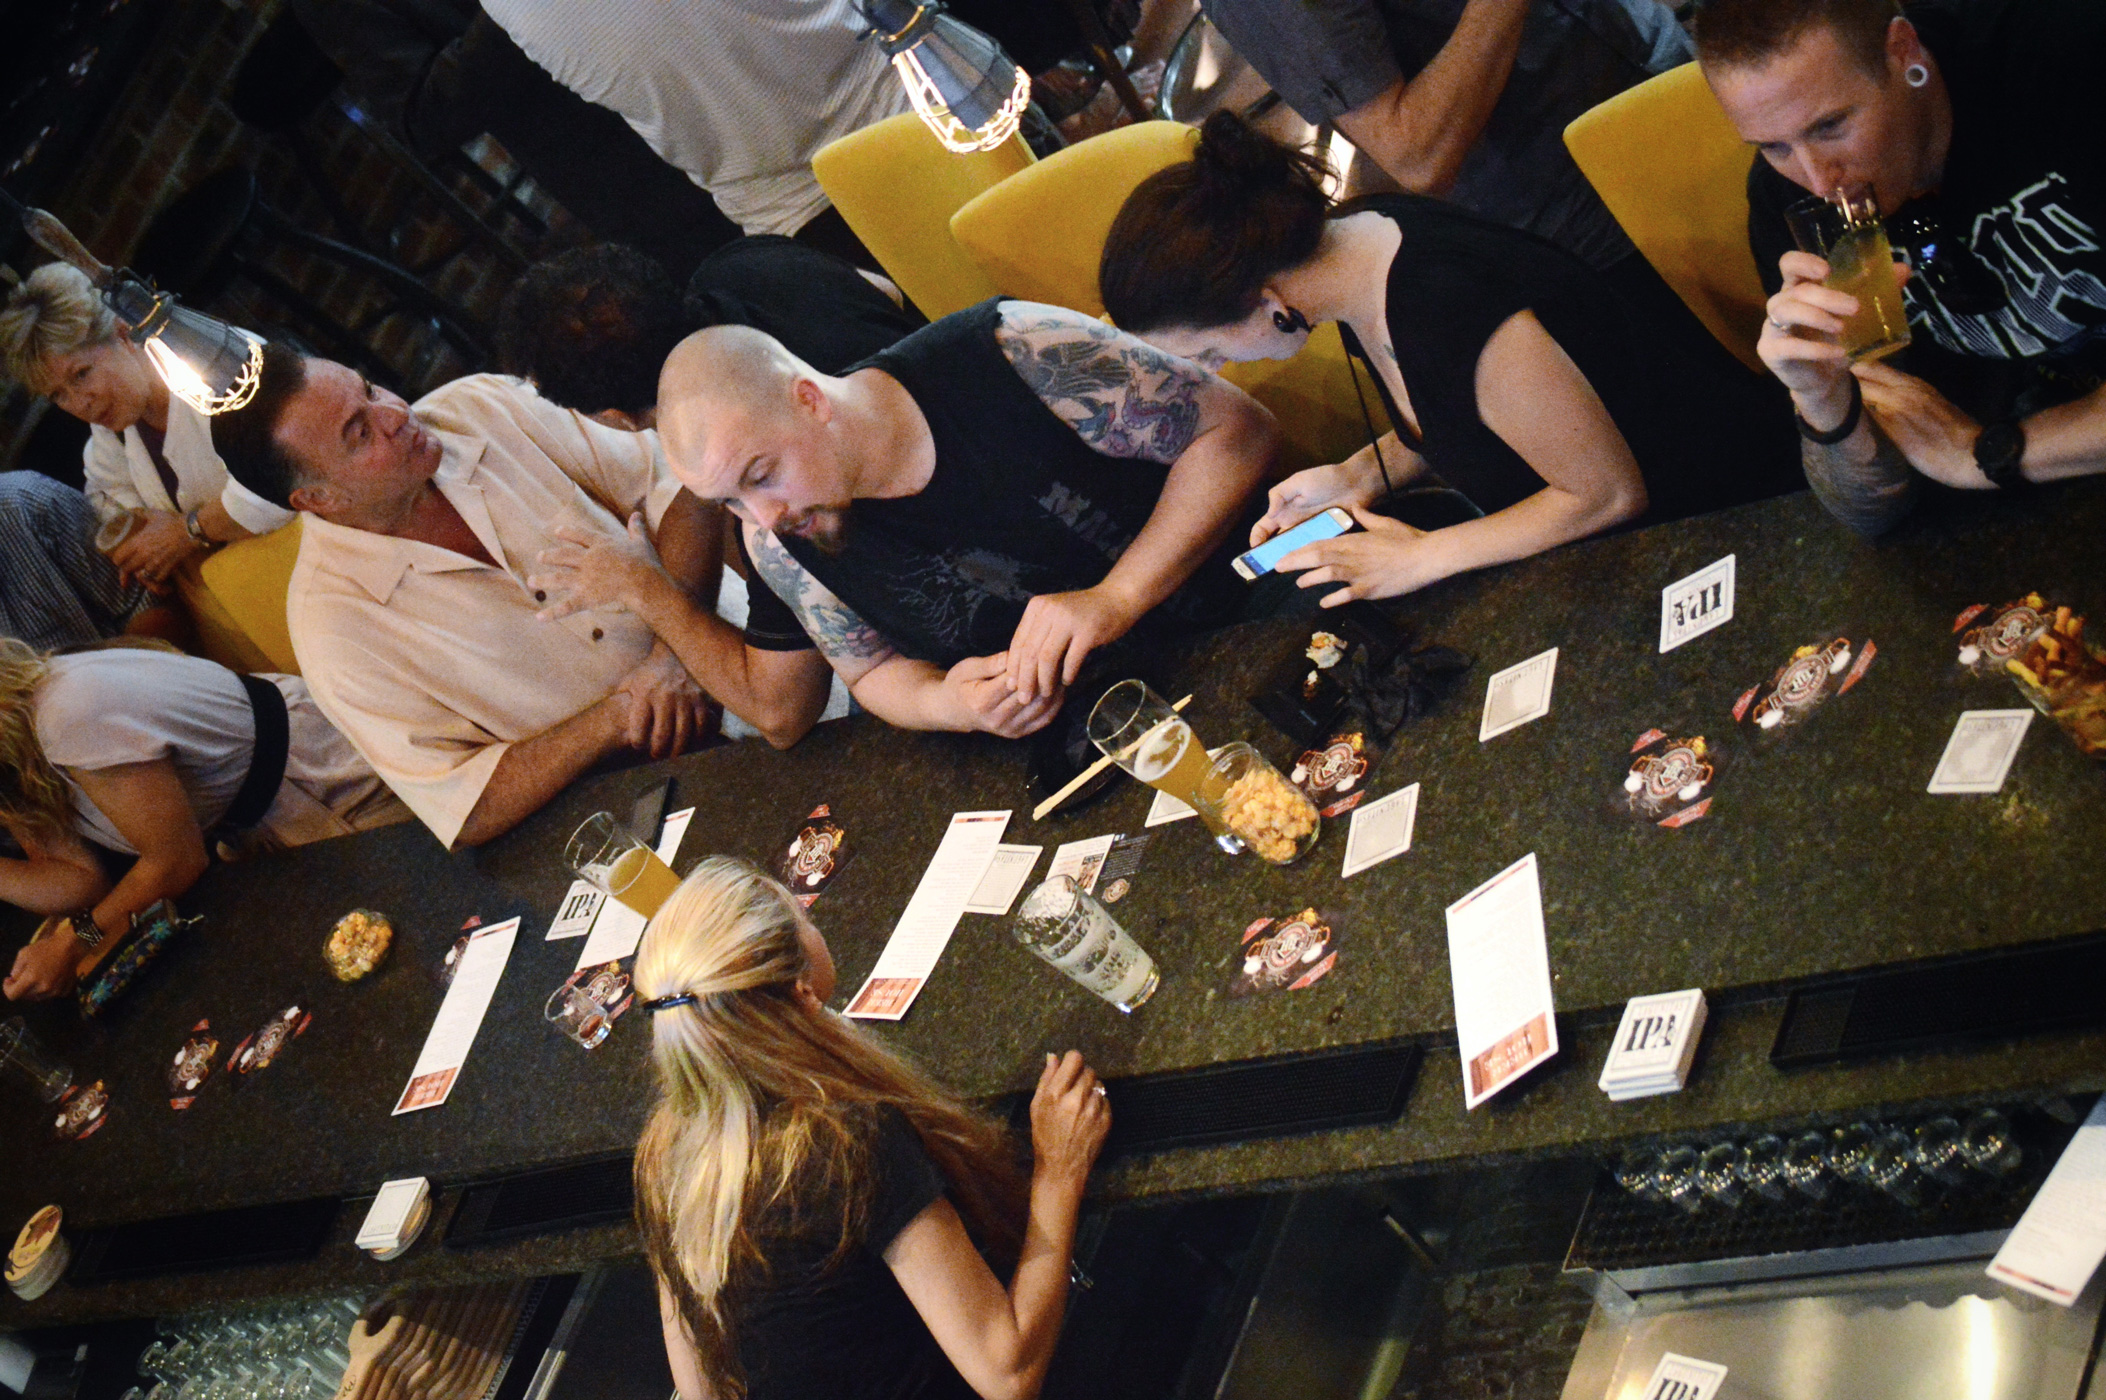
{"points": [[1122, 396]]}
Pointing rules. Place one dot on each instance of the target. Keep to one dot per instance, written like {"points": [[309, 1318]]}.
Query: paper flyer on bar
{"points": [[460, 1017], [2057, 1244], [931, 916], [1499, 958]]}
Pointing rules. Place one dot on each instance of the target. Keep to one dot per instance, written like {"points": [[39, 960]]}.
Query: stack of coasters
{"points": [[1655, 1045], [397, 1217]]}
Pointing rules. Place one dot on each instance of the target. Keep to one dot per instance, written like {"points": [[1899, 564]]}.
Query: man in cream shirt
{"points": [[409, 607]]}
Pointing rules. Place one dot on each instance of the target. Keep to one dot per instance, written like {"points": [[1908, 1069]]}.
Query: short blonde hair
{"points": [[56, 311]]}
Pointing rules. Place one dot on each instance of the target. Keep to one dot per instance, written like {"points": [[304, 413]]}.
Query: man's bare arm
{"points": [[1864, 480], [535, 770], [1125, 398], [1420, 129], [690, 545]]}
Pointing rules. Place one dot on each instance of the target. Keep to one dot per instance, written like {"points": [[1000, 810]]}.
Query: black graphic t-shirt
{"points": [[2024, 189], [1019, 505]]}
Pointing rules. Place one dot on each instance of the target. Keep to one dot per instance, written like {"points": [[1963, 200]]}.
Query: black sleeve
{"points": [[1769, 237], [827, 313], [908, 1183], [770, 623]]}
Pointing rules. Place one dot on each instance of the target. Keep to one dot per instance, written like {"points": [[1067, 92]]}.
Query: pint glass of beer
{"points": [[1062, 924], [613, 858], [1137, 729], [1848, 232]]}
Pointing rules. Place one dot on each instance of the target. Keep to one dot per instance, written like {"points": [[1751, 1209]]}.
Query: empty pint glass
{"points": [[1137, 729], [1063, 925], [1848, 232], [613, 858]]}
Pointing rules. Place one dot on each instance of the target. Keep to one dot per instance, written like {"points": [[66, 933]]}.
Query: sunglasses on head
{"points": [[1962, 283]]}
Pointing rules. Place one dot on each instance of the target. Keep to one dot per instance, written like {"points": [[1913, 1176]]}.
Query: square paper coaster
{"points": [[1517, 695], [1978, 755], [1381, 829]]}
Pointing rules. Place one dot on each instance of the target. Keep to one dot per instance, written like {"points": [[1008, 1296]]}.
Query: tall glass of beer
{"points": [[1138, 730], [1848, 232], [614, 859]]}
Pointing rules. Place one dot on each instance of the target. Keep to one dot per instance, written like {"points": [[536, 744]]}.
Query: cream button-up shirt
{"points": [[432, 663]]}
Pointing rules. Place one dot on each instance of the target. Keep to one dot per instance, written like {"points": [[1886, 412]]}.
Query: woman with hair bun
{"points": [[1509, 368], [819, 1215]]}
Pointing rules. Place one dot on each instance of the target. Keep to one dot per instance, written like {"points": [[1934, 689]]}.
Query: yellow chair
{"points": [[246, 584], [897, 187], [1674, 172], [1313, 397], [1038, 234]]}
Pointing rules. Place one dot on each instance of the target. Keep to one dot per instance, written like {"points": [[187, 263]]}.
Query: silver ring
{"points": [[1778, 324], [1099, 1091]]}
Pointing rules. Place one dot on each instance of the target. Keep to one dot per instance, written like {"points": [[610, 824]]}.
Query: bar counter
{"points": [[1822, 854]]}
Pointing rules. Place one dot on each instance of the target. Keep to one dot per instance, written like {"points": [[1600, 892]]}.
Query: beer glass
{"points": [[1847, 231], [575, 1011], [615, 859], [117, 529], [21, 1053], [1136, 728], [1063, 925]]}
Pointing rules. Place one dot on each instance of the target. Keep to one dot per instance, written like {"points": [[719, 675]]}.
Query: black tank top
{"points": [[1454, 281], [1018, 505]]}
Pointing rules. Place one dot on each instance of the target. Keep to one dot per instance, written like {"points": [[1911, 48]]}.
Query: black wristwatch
{"points": [[85, 928], [1999, 450]]}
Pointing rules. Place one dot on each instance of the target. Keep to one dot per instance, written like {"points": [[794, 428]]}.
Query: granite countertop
{"points": [[1823, 853]]}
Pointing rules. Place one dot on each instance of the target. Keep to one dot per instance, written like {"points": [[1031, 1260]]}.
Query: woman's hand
{"points": [[1069, 1120], [1385, 558], [593, 571], [47, 968], [1357, 481], [154, 551]]}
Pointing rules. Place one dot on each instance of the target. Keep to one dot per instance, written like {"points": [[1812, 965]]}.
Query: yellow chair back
{"points": [[1313, 397], [1039, 234], [897, 187], [247, 583], [1674, 172]]}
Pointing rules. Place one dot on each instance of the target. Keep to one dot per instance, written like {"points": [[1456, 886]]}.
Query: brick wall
{"points": [[173, 127]]}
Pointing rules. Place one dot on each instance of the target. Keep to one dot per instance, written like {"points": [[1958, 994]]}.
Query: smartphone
{"points": [[1321, 526]]}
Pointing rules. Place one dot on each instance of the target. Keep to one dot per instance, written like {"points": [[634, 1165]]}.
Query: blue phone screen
{"points": [[1266, 556]]}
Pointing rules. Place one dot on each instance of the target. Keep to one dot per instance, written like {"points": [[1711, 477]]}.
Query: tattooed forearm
{"points": [[832, 625], [1122, 396], [1869, 492]]}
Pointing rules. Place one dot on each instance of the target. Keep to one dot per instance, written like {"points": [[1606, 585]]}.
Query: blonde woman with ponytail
{"points": [[826, 1223]]}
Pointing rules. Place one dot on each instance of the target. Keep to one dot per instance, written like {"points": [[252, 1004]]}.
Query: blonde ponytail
{"points": [[767, 1106]]}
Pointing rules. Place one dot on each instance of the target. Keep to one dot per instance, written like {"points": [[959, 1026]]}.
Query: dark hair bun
{"points": [[1236, 161]]}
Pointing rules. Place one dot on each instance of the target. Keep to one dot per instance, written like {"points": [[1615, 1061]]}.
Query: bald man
{"points": [[958, 522]]}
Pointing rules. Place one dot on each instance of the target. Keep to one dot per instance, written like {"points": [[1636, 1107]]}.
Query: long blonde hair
{"points": [[33, 795], [55, 312], [767, 1107]]}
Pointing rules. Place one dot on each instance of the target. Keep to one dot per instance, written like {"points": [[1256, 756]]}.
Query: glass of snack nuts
{"points": [[1252, 801]]}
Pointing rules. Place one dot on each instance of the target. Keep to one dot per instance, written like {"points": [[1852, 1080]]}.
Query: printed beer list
{"points": [[1505, 1021], [931, 916], [460, 1017]]}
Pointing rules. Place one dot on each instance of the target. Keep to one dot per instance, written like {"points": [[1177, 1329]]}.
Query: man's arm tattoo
{"points": [[1870, 496], [1123, 397], [832, 625]]}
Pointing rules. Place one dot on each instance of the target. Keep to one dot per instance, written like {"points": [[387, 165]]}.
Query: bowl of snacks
{"points": [[357, 944], [1254, 803]]}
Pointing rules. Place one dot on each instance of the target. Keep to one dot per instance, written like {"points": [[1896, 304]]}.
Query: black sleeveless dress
{"points": [[1454, 281]]}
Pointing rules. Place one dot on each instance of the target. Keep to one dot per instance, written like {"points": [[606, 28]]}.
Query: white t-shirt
{"points": [[120, 473], [740, 94], [104, 709]]}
